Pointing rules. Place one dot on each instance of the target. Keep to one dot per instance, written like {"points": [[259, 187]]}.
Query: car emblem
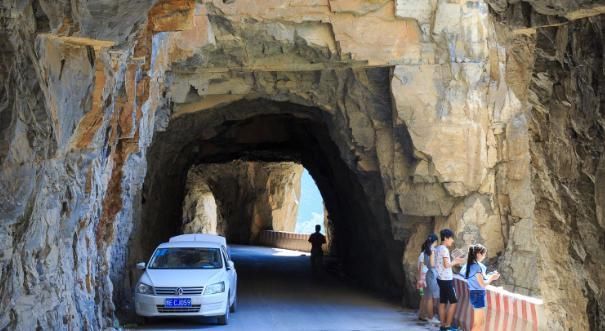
{"points": [[178, 291]]}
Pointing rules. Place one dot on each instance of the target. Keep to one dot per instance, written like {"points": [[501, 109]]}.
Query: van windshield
{"points": [[186, 258]]}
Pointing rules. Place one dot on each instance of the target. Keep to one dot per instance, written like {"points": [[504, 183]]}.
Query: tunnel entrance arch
{"points": [[339, 124], [263, 130]]}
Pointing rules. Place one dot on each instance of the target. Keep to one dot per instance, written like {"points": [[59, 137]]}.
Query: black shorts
{"points": [[447, 293]]}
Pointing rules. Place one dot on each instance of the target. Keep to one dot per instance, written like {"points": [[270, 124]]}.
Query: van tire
{"points": [[224, 319], [233, 307]]}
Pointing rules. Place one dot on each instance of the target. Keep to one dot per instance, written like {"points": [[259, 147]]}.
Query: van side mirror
{"points": [[230, 265], [141, 265]]}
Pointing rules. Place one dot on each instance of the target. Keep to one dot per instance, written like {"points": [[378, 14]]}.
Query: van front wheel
{"points": [[233, 307], [224, 319]]}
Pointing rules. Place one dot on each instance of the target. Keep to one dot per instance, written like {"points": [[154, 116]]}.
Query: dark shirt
{"points": [[317, 239]]}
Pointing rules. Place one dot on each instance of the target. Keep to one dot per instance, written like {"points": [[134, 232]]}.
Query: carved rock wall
{"points": [[200, 212], [239, 199], [567, 126], [555, 67]]}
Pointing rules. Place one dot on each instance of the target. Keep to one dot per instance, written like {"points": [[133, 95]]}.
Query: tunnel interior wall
{"points": [[251, 197], [200, 211]]}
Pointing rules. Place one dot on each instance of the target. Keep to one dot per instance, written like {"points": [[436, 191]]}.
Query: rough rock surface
{"points": [[411, 115], [567, 126], [251, 196], [200, 212]]}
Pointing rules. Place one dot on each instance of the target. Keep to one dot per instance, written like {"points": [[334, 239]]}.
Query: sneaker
{"points": [[443, 328], [434, 320], [452, 328]]}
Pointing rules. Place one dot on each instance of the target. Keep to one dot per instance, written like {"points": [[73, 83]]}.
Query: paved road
{"points": [[277, 294]]}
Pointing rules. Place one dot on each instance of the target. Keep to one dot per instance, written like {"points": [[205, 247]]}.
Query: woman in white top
{"points": [[431, 292], [420, 286]]}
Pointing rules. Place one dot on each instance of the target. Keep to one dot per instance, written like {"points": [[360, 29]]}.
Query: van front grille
{"points": [[174, 290]]}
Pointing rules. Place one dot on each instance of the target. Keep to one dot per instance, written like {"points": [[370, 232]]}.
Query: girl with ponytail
{"points": [[477, 281], [431, 292]]}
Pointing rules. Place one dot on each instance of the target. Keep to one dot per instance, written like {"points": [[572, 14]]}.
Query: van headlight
{"points": [[143, 288], [215, 288]]}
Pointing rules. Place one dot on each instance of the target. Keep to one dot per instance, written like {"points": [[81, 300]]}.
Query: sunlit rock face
{"points": [[200, 213], [485, 117], [565, 120], [555, 68], [239, 199]]}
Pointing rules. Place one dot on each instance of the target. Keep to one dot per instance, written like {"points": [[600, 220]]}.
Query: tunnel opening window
{"points": [[241, 198], [311, 209]]}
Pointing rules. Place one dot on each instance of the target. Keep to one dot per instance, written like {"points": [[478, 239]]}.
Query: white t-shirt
{"points": [[421, 260], [443, 273]]}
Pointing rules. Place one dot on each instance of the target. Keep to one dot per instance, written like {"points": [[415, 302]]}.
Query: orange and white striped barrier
{"points": [[506, 311]]}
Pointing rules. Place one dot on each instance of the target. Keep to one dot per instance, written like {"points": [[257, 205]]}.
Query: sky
{"points": [[310, 206]]}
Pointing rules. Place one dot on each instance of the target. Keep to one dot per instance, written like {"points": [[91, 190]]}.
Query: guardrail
{"points": [[505, 310], [286, 240]]}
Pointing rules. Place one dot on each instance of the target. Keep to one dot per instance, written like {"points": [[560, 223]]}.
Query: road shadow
{"points": [[277, 292]]}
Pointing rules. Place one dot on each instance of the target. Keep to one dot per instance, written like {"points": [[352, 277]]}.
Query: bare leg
{"points": [[442, 316], [451, 310], [478, 319], [422, 307], [429, 307]]}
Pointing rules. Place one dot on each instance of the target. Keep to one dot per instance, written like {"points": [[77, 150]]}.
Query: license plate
{"points": [[181, 302]]}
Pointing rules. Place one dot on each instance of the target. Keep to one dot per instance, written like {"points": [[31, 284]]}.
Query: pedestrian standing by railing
{"points": [[431, 289], [421, 286], [445, 279], [477, 279]]}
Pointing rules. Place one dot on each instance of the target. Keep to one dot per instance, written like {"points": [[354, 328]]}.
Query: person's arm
{"points": [[448, 264], [483, 282], [432, 260], [419, 282]]}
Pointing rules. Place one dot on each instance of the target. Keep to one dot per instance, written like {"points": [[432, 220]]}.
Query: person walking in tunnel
{"points": [[317, 240], [475, 273], [445, 279], [431, 291]]}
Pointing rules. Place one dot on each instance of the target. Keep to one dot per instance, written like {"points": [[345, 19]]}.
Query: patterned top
{"points": [[443, 273]]}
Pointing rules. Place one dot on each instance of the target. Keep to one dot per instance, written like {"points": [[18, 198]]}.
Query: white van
{"points": [[191, 275]]}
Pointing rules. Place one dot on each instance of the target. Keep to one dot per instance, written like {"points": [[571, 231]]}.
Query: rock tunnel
{"points": [[262, 130], [485, 117], [271, 131]]}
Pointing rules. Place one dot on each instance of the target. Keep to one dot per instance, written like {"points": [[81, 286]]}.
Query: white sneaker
{"points": [[434, 320]]}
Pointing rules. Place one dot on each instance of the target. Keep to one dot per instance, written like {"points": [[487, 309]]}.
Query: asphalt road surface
{"points": [[277, 293]]}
